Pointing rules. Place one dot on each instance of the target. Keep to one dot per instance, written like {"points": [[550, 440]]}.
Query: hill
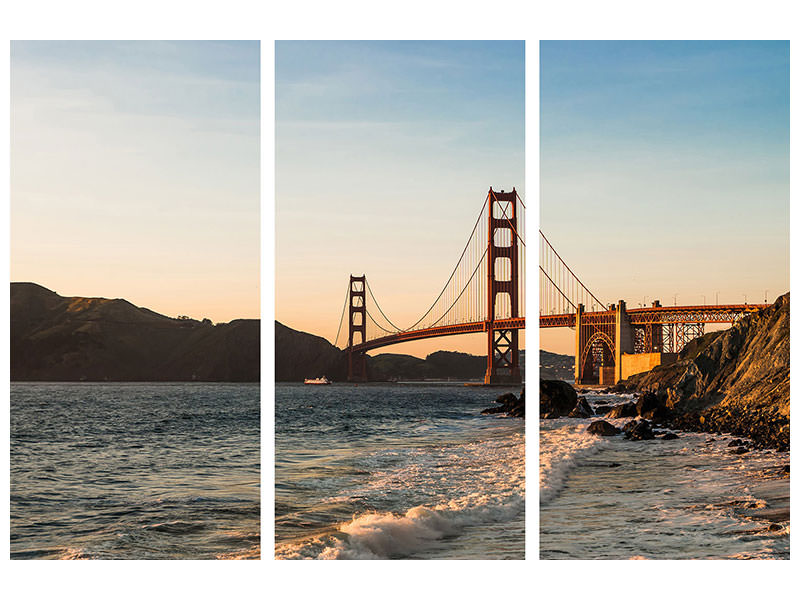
{"points": [[556, 366], [55, 338]]}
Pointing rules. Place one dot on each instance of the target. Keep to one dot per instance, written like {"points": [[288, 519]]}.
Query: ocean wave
{"points": [[560, 450], [453, 487], [389, 535]]}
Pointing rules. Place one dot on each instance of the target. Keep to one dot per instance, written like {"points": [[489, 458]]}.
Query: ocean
{"points": [[402, 471], [135, 471], [688, 498]]}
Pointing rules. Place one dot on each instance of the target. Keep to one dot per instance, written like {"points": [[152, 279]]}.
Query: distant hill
{"points": [[299, 355], [55, 338], [556, 366]]}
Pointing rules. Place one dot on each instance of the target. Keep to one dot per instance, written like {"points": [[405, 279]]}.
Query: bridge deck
{"points": [[665, 315], [431, 332]]}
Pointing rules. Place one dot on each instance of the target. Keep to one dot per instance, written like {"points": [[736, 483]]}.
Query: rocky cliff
{"points": [[734, 381], [55, 338]]}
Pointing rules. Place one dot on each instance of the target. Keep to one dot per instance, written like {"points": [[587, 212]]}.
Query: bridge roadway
{"points": [[715, 313], [431, 332]]}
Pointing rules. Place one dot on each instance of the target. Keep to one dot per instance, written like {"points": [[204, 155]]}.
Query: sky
{"points": [[385, 152], [664, 170], [135, 173]]}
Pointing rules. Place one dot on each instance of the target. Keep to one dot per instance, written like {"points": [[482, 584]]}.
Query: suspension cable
{"points": [[558, 288], [462, 289], [379, 308], [341, 319], [376, 323], [570, 270], [454, 269]]}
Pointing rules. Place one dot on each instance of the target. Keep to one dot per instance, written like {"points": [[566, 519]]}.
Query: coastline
{"points": [[685, 497]]}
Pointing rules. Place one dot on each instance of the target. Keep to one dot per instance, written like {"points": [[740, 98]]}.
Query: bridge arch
{"points": [[600, 345]]}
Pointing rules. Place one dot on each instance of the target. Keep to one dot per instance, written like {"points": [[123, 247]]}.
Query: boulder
{"points": [[629, 425], [602, 428], [582, 409], [602, 409], [641, 430], [509, 404], [740, 450], [669, 436], [556, 397], [650, 406], [623, 410]]}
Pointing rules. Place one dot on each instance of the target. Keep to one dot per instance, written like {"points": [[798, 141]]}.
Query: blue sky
{"points": [[384, 154], [135, 172], [665, 168]]}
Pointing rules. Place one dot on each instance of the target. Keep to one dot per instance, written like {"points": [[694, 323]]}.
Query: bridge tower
{"points": [[503, 288], [357, 321]]}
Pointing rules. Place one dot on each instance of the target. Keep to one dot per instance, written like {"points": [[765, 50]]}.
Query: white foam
{"points": [[560, 450], [386, 535], [472, 484]]}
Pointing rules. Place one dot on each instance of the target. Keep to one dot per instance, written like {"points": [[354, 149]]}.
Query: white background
{"points": [[412, 19]]}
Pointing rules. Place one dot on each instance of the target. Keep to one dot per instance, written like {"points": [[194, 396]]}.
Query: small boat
{"points": [[318, 381]]}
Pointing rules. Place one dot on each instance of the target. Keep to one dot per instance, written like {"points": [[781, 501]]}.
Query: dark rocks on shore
{"points": [[735, 443], [652, 406], [509, 404], [582, 409], [641, 430], [669, 436], [623, 410], [740, 450], [556, 398], [602, 409], [602, 427]]}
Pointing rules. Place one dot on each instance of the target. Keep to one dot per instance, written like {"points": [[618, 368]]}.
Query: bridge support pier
{"points": [[357, 361], [503, 287], [623, 342]]}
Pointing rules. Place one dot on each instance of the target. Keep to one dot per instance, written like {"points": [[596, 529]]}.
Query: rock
{"points": [[647, 402], [629, 425], [509, 404], [623, 410], [735, 443], [556, 397], [504, 398], [640, 431], [602, 410], [582, 409], [740, 450], [651, 406], [602, 428], [669, 436]]}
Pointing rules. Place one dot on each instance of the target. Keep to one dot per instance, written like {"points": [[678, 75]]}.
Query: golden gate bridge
{"points": [[613, 342], [485, 293]]}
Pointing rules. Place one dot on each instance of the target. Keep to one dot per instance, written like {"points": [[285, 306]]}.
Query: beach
{"points": [[689, 497]]}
